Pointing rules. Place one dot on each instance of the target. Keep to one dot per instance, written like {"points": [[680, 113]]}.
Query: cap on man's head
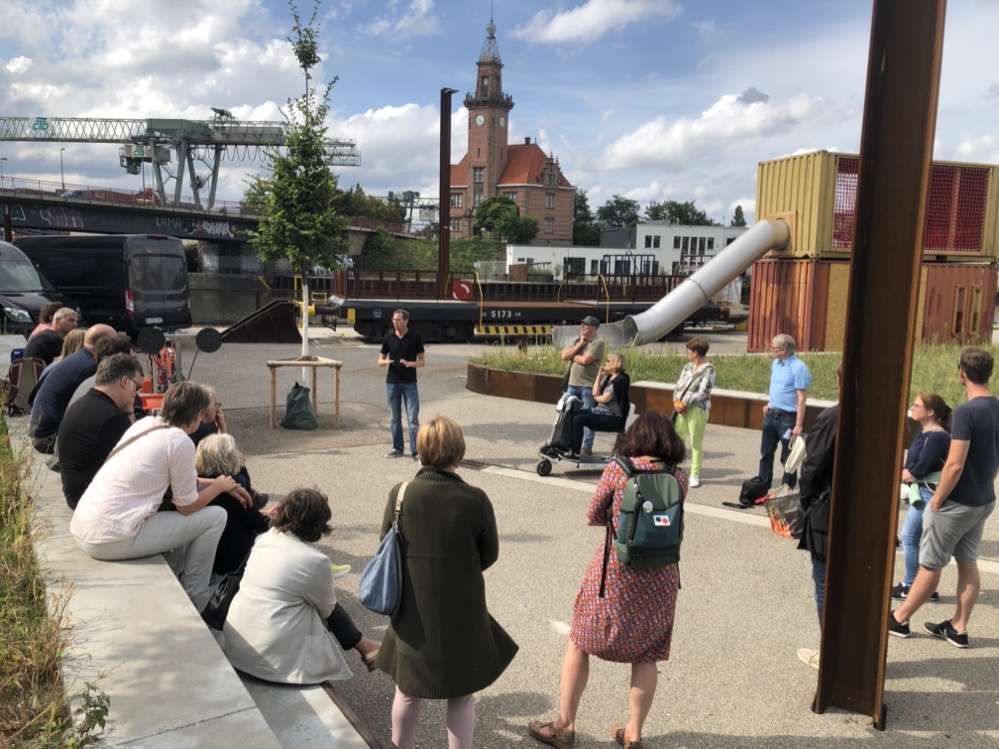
{"points": [[591, 321]]}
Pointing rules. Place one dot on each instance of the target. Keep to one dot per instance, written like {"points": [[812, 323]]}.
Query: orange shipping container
{"points": [[808, 300]]}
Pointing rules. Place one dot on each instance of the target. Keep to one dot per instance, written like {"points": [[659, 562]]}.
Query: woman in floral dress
{"points": [[633, 623]]}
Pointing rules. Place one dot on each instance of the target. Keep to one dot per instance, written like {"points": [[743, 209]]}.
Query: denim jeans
{"points": [[912, 532], [397, 392], [775, 426], [585, 394], [819, 580]]}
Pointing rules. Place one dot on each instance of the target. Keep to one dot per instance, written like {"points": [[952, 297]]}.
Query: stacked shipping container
{"points": [[802, 290]]}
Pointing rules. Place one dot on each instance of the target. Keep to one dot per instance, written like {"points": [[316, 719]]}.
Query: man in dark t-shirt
{"points": [[94, 424], [963, 500], [402, 352]]}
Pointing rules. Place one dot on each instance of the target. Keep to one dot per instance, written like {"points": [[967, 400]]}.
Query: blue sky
{"points": [[651, 99]]}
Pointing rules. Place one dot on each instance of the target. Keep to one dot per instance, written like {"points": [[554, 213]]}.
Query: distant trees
{"points": [[354, 202], [585, 230], [678, 214], [500, 216], [619, 211], [738, 218]]}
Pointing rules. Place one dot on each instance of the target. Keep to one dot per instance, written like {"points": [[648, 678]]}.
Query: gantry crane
{"points": [[152, 141]]}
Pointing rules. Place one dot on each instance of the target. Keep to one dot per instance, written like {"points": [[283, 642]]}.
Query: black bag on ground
{"points": [[753, 490], [298, 413], [218, 605]]}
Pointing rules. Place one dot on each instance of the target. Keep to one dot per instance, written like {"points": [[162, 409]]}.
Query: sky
{"points": [[649, 99]]}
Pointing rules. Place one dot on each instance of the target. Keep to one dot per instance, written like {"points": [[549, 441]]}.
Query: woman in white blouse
{"points": [[117, 517]]}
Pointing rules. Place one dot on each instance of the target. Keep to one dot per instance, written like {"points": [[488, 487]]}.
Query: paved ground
{"points": [[745, 607]]}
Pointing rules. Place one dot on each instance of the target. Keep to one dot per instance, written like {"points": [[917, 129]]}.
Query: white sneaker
{"points": [[811, 657], [695, 481]]}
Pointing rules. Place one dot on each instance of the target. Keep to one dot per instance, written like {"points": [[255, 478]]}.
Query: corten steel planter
{"points": [[728, 407]]}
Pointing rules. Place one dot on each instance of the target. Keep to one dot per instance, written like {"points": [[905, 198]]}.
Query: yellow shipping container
{"points": [[817, 193]]}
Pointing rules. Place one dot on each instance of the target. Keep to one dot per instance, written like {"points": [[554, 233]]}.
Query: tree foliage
{"points": [[619, 211], [298, 222], [678, 214], [739, 218], [585, 230], [501, 217], [355, 203]]}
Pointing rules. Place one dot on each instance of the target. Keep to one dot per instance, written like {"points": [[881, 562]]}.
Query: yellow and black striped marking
{"points": [[514, 330]]}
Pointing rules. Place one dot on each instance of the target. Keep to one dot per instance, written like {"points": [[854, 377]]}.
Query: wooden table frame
{"points": [[314, 364]]}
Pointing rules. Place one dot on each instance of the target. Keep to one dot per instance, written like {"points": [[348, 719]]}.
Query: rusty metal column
{"points": [[895, 152], [444, 222]]}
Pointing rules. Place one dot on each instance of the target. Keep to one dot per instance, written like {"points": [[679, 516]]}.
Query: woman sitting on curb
{"points": [[283, 620]]}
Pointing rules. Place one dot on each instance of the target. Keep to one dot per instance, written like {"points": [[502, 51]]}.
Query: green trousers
{"points": [[691, 424]]}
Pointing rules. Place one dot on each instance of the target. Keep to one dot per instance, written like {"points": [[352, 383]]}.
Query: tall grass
{"points": [[33, 710], [934, 368]]}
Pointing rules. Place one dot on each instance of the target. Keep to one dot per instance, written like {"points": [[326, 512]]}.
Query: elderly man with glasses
{"points": [[784, 414]]}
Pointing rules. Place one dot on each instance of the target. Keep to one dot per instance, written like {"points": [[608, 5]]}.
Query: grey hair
{"points": [[113, 368], [784, 341], [217, 455]]}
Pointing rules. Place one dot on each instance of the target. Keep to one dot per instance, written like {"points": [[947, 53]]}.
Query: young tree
{"points": [[619, 211], [299, 223], [739, 218]]}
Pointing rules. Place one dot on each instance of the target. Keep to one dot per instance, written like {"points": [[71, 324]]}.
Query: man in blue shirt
{"points": [[784, 414]]}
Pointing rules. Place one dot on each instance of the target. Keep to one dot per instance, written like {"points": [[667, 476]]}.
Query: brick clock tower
{"points": [[488, 120], [522, 172]]}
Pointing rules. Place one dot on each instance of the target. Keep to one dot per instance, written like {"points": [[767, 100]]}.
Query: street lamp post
{"points": [[62, 172]]}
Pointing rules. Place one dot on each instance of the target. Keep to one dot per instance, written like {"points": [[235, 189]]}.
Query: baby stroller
{"points": [[558, 448]]}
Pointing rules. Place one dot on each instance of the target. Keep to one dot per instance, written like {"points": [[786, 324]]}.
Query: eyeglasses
{"points": [[918, 405], [138, 385]]}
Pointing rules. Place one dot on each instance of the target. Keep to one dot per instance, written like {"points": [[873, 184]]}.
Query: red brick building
{"points": [[522, 172]]}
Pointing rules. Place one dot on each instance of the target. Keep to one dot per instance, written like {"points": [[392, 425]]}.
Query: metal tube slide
{"points": [[694, 292]]}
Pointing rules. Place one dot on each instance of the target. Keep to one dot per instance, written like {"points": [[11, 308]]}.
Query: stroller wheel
{"points": [[544, 467]]}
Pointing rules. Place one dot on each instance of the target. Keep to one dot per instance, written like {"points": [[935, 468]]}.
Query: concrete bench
{"points": [[135, 633]]}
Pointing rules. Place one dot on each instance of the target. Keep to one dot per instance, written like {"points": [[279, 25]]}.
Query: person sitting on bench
{"points": [[610, 391]]}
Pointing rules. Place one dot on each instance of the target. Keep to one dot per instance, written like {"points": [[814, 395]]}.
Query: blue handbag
{"points": [[381, 581]]}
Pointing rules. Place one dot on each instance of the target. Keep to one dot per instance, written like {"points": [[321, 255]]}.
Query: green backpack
{"points": [[650, 523]]}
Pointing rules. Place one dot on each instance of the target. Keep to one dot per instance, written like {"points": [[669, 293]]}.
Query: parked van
{"points": [[23, 291], [128, 281]]}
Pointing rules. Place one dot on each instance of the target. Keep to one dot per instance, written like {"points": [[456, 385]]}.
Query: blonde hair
{"points": [[217, 456], [72, 343], [617, 362], [440, 443]]}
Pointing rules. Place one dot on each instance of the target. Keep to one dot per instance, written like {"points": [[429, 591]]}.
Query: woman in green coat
{"points": [[442, 643]]}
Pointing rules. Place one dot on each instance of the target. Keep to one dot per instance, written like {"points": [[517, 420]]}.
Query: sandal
{"points": [[617, 731], [559, 738], [370, 660]]}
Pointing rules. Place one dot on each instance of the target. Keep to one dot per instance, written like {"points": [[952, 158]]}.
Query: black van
{"points": [[23, 291], [128, 281]]}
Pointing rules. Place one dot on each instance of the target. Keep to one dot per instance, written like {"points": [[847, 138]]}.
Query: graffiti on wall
{"points": [[195, 226], [58, 217], [16, 212]]}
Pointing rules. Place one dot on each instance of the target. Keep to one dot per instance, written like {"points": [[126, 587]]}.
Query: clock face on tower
{"points": [[480, 120], [502, 121]]}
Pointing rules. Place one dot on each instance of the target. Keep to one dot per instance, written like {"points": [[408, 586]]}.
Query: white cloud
{"points": [[18, 65], [416, 20], [592, 19], [728, 124]]}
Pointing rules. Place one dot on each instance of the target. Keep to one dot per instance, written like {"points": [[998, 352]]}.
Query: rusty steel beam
{"points": [[444, 213], [896, 146]]}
